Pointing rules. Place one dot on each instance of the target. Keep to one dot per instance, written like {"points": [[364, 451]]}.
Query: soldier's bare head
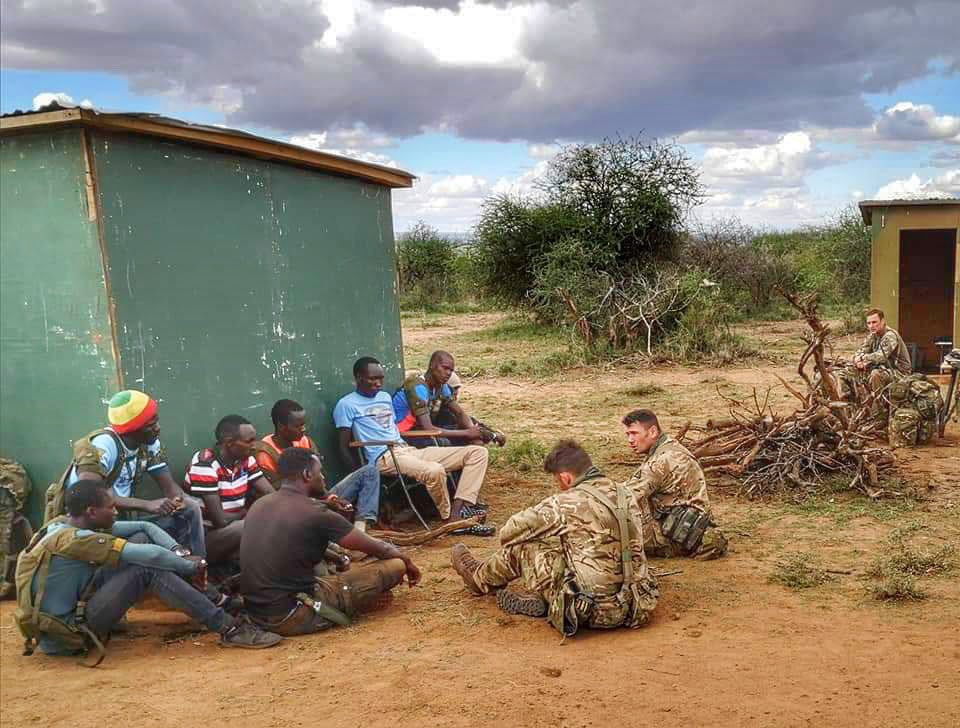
{"points": [[876, 322], [642, 429], [567, 462]]}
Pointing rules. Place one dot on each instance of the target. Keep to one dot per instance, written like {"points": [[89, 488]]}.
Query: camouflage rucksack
{"points": [[86, 455], [15, 531], [915, 406]]}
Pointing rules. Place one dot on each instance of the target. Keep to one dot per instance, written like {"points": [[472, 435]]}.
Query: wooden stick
{"points": [[403, 538]]}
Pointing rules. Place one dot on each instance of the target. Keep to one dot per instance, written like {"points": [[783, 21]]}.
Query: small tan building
{"points": [[915, 272]]}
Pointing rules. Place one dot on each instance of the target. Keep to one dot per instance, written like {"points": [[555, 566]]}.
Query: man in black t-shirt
{"points": [[286, 535]]}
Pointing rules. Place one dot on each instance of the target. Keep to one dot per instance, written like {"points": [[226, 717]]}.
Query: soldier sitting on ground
{"points": [[671, 491], [579, 553], [86, 553], [223, 477], [881, 360], [286, 537]]}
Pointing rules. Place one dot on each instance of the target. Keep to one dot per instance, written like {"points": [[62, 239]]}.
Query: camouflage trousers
{"points": [[856, 384], [361, 589], [656, 545], [713, 546], [533, 564]]}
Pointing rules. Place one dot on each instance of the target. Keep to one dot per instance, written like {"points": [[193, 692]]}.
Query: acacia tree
{"points": [[610, 205]]}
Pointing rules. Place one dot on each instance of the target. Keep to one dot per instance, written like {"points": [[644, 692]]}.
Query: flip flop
{"points": [[480, 529]]}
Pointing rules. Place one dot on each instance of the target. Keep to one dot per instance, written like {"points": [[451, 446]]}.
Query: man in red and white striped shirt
{"points": [[222, 477]]}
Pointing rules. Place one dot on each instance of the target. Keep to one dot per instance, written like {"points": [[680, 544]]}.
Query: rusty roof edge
{"points": [[215, 136]]}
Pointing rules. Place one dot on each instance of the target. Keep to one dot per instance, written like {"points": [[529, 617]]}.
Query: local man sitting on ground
{"points": [[881, 359], [223, 476], [86, 558], [361, 488], [579, 553], [287, 536], [671, 491], [367, 414], [120, 455], [428, 402]]}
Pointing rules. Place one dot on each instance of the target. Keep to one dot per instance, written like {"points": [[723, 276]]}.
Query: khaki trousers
{"points": [[431, 465]]}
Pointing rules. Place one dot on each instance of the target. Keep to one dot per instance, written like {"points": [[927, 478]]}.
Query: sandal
{"points": [[480, 529], [473, 511]]}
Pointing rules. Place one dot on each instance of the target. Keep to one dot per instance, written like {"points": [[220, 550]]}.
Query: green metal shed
{"points": [[216, 270]]}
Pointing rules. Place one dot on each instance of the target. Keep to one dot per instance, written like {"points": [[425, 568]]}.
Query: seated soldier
{"points": [[368, 413], [361, 488], [671, 491], [428, 403], [120, 454], [86, 552], [223, 476], [881, 359], [579, 553], [286, 538]]}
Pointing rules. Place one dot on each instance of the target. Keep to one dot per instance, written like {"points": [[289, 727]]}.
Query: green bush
{"points": [[426, 263], [604, 206]]}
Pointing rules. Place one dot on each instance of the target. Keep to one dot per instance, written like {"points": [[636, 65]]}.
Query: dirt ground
{"points": [[726, 648]]}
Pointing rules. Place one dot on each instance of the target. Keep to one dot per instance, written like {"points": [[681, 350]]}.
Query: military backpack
{"points": [[15, 530], [33, 568], [915, 406], [85, 454]]}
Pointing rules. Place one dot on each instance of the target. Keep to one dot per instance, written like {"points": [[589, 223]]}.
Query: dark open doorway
{"points": [[927, 260]]}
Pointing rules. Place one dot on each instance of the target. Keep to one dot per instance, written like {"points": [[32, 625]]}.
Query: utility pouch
{"points": [[685, 526], [570, 606]]}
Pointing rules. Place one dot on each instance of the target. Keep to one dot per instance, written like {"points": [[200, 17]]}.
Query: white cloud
{"points": [[48, 97], [319, 141], [787, 159], [543, 151], [906, 121], [944, 186]]}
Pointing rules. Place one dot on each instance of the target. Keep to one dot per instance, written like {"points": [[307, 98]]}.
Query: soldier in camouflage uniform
{"points": [[881, 360], [568, 553], [668, 486]]}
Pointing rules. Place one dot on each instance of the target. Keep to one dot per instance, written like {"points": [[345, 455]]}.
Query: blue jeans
{"points": [[121, 588], [185, 526], [362, 488]]}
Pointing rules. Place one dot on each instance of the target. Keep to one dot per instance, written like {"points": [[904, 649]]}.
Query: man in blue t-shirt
{"points": [[367, 415]]}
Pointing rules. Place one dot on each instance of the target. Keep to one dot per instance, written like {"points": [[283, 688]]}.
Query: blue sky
{"points": [[475, 97]]}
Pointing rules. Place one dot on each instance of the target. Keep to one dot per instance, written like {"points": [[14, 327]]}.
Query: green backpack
{"points": [[915, 406], [15, 530], [85, 454], [33, 567]]}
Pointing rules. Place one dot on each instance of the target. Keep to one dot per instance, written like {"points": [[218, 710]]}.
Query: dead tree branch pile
{"points": [[826, 438]]}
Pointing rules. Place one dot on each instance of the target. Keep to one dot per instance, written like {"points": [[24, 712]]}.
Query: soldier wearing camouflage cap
{"points": [[579, 553], [671, 491]]}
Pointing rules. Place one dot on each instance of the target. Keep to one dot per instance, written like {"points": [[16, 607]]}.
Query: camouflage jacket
{"points": [[588, 535], [887, 350], [671, 476]]}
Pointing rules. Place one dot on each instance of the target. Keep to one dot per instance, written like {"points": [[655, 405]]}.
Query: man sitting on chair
{"points": [[367, 414]]}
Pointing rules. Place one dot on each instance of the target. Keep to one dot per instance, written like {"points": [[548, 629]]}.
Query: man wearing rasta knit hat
{"points": [[121, 453]]}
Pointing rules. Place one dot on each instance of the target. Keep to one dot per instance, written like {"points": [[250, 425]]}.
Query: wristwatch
{"points": [[180, 551]]}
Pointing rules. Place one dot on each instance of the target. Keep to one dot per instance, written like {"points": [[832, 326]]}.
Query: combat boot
{"points": [[522, 601], [466, 565]]}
